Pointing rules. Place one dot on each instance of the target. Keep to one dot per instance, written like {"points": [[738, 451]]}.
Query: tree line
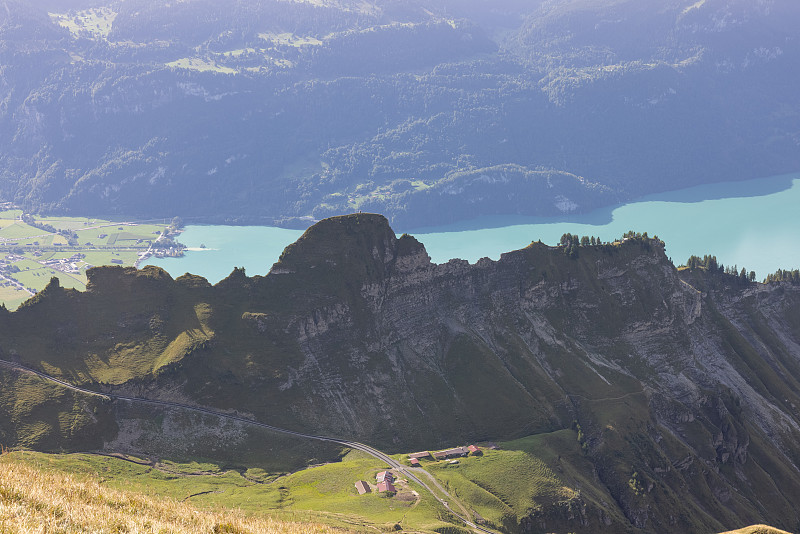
{"points": [[782, 275], [572, 242], [710, 264]]}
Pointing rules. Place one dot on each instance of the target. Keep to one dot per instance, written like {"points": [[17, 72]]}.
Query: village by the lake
{"points": [[34, 249]]}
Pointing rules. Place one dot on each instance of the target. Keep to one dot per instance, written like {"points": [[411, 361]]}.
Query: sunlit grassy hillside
{"points": [[34, 501], [757, 529], [37, 499]]}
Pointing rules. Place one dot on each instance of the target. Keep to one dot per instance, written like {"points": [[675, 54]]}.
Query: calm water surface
{"points": [[753, 224]]}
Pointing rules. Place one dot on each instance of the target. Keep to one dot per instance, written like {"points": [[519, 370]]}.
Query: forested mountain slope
{"points": [[679, 390], [245, 111]]}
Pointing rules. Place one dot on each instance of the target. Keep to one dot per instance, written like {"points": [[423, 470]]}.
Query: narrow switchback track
{"points": [[408, 472]]}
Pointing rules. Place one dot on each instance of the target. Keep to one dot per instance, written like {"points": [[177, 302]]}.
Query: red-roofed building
{"points": [[384, 476], [414, 462], [474, 450], [386, 487]]}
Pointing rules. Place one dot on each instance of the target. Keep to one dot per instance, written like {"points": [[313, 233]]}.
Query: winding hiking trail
{"points": [[408, 472]]}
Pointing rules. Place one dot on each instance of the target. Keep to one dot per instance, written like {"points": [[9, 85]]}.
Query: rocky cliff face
{"points": [[680, 387]]}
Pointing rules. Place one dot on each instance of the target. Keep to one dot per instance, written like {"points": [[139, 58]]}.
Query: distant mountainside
{"points": [[431, 112], [678, 389]]}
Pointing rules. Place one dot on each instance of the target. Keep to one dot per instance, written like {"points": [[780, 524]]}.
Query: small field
{"points": [[290, 39], [200, 65], [19, 231], [91, 22], [12, 297], [34, 249]]}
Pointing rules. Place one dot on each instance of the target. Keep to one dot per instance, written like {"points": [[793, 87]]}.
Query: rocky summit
{"points": [[678, 388]]}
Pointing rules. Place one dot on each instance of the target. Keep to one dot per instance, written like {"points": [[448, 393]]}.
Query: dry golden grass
{"points": [[34, 502], [757, 529]]}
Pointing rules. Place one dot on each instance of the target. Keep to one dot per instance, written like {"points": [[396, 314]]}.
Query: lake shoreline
{"points": [[735, 221]]}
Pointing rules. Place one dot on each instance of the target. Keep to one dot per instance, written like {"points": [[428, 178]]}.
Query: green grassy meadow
{"points": [[19, 230], [498, 487], [528, 476], [12, 297], [324, 493]]}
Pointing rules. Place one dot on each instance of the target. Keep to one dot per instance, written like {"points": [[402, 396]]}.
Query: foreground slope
{"points": [[35, 500], [679, 389], [37, 494]]}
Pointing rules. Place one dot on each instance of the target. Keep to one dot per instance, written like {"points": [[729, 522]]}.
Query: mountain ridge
{"points": [[678, 385]]}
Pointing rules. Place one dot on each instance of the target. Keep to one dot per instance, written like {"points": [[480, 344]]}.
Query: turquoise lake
{"points": [[753, 224]]}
